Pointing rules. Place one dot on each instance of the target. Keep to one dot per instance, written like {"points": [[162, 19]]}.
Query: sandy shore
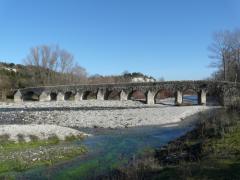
{"points": [[93, 113]]}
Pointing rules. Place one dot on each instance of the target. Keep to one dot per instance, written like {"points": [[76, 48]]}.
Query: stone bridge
{"points": [[225, 92]]}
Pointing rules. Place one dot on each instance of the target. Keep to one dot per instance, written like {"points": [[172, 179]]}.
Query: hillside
{"points": [[15, 76]]}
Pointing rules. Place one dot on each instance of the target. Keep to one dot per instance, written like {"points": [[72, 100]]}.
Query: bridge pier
{"points": [[202, 97], [44, 97], [78, 96], [123, 96], [100, 95], [178, 98], [60, 97], [18, 96], [150, 97]]}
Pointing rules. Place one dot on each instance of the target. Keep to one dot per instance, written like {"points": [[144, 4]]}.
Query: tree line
{"points": [[225, 52]]}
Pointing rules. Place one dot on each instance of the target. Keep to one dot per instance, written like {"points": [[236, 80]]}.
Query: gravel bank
{"points": [[94, 113], [27, 132]]}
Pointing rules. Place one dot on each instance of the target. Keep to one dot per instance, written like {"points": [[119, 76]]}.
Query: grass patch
{"points": [[47, 158], [17, 157], [4, 139], [22, 145]]}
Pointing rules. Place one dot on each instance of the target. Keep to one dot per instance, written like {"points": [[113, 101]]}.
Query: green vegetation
{"points": [[17, 157], [7, 145], [211, 151], [95, 167], [219, 157]]}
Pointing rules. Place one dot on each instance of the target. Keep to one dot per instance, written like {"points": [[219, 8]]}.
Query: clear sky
{"points": [[166, 38]]}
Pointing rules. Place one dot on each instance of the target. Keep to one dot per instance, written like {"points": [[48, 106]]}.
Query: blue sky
{"points": [[166, 38]]}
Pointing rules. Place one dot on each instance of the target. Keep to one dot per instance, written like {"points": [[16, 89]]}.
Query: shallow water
{"points": [[109, 148], [191, 99]]}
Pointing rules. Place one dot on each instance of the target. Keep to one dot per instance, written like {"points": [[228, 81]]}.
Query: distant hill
{"points": [[14, 76], [138, 77], [124, 78]]}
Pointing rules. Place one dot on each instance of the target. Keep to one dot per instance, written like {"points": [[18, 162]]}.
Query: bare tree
{"points": [[220, 48], [225, 50], [79, 71], [236, 53], [65, 61], [54, 65]]}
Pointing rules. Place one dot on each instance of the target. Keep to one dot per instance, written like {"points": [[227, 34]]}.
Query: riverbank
{"points": [[95, 114], [24, 147], [21, 156], [210, 151]]}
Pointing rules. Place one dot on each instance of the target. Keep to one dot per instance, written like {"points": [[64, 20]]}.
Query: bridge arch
{"points": [[30, 96], [190, 97], [112, 95], [53, 96], [89, 95], [137, 95], [69, 96], [164, 94]]}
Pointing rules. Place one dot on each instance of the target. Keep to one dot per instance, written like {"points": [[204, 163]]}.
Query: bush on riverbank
{"points": [[211, 151]]}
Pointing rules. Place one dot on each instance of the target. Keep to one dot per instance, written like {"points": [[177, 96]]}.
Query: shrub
{"points": [[4, 138], [21, 138], [33, 138]]}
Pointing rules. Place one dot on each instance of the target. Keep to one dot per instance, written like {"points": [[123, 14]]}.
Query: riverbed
{"points": [[95, 113], [110, 148], [120, 131]]}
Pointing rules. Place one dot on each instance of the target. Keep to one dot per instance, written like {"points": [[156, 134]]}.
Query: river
{"points": [[109, 148]]}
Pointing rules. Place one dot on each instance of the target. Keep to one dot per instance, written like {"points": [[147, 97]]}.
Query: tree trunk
{"points": [[224, 68]]}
